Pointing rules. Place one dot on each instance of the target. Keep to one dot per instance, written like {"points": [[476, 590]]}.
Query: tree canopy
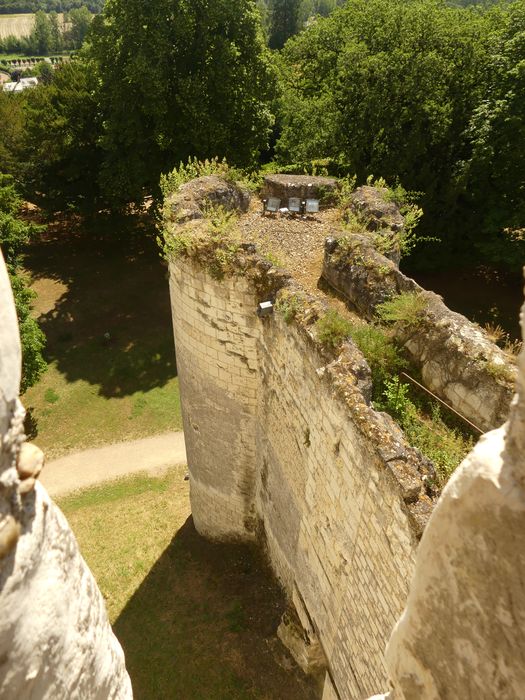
{"points": [[413, 90], [22, 6], [179, 79]]}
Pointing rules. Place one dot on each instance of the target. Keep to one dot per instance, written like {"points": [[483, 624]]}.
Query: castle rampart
{"points": [[283, 446]]}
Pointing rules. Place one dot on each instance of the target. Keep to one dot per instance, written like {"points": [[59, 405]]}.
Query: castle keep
{"points": [[285, 448]]}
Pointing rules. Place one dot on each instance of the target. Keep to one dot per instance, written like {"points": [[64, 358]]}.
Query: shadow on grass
{"points": [[202, 627], [112, 326]]}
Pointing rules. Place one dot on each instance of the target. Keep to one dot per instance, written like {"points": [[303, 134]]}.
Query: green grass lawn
{"points": [[197, 620], [103, 303]]}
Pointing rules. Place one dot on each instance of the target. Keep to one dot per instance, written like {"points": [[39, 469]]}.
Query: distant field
{"points": [[16, 25]]}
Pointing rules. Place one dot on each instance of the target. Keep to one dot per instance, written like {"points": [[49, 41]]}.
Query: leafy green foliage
{"points": [[284, 21], [288, 305], [332, 329], [22, 6], [381, 353], [31, 337], [403, 308], [446, 447], [49, 35], [492, 179], [389, 86], [209, 94], [195, 168], [283, 18], [61, 151], [12, 132], [14, 235]]}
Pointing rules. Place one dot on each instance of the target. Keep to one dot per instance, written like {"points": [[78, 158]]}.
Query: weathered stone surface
{"points": [[303, 186], [55, 638], [190, 201], [302, 644], [462, 634], [456, 358], [30, 461], [374, 208], [284, 446]]}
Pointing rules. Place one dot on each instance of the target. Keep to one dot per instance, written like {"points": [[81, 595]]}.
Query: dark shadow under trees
{"points": [[112, 325], [202, 625]]}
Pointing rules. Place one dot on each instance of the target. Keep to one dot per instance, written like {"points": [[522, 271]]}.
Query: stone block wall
{"points": [[462, 634], [332, 513], [456, 359], [283, 447], [216, 332]]}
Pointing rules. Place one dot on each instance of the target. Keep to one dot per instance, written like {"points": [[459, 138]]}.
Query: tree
{"points": [[388, 87], [179, 79], [492, 180], [41, 38], [14, 235], [80, 20], [12, 132], [284, 21], [60, 148], [57, 40]]}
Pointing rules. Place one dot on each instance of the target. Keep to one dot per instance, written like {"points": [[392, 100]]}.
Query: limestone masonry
{"points": [[284, 448], [55, 638], [462, 634]]}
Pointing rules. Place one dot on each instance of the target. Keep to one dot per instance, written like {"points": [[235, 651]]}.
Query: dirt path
{"points": [[81, 469]]}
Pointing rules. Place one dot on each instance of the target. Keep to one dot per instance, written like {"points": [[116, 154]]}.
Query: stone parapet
{"points": [[456, 358], [303, 186], [55, 637], [462, 634]]}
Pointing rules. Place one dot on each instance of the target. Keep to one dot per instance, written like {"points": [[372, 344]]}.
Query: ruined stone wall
{"points": [[462, 634], [55, 638], [216, 333], [456, 358], [333, 515], [283, 447]]}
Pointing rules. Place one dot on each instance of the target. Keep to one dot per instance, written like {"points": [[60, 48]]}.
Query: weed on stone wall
{"points": [[194, 168], [288, 305], [407, 308], [381, 352], [500, 371], [211, 240], [425, 427], [332, 329]]}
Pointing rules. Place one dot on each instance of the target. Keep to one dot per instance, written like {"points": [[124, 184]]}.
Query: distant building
{"points": [[22, 84]]}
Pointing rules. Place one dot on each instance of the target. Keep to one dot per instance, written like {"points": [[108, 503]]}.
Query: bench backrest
{"points": [[312, 206], [273, 204]]}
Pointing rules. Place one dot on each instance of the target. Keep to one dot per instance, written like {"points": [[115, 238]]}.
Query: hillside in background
{"points": [[22, 6]]}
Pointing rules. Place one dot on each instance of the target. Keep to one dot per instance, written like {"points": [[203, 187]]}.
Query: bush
{"points": [[381, 353], [407, 307], [288, 305], [332, 329], [446, 447]]}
